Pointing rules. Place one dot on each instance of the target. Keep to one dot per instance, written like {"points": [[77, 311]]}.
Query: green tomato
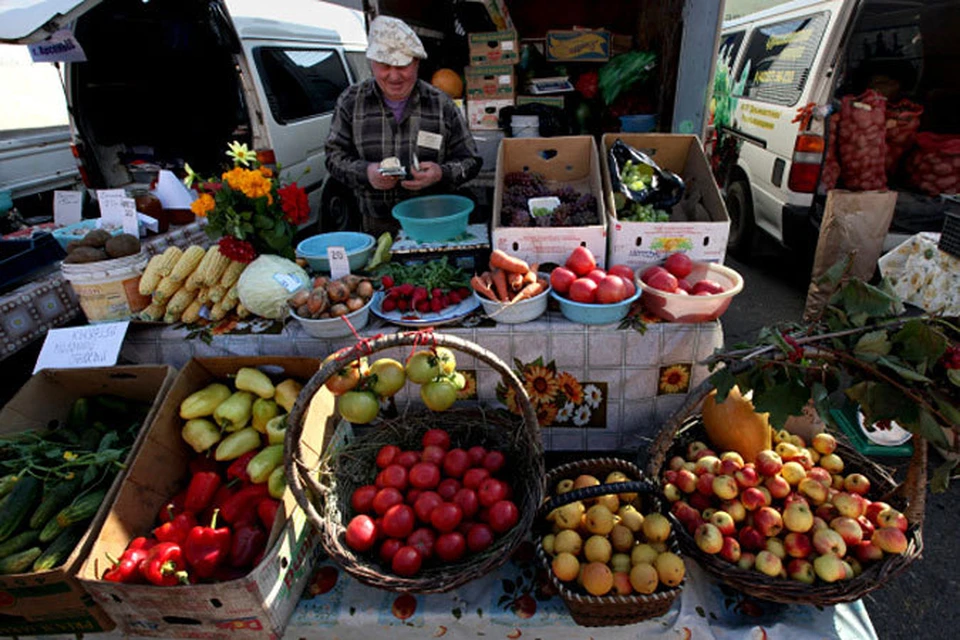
{"points": [[448, 361], [388, 377], [439, 395], [359, 407], [422, 366]]}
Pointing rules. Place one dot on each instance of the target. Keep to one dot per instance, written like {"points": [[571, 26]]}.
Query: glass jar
{"points": [[149, 205]]}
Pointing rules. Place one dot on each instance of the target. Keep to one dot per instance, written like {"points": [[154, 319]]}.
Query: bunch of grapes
{"points": [[575, 209]]}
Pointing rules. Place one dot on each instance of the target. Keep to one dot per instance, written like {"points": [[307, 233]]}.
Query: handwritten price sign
{"points": [[77, 347], [339, 265]]}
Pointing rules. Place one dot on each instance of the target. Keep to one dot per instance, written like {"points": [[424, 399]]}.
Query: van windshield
{"points": [[779, 57]]}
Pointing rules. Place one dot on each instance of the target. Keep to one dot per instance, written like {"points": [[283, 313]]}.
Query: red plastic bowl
{"points": [[677, 307]]}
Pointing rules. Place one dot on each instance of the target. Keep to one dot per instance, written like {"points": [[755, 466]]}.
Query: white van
{"points": [[772, 64], [169, 82]]}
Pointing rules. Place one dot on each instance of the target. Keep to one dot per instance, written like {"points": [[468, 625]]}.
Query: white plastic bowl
{"points": [[335, 327], [519, 312], [678, 307]]}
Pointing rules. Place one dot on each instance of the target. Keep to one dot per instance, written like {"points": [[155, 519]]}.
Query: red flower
{"points": [[293, 199], [239, 250]]}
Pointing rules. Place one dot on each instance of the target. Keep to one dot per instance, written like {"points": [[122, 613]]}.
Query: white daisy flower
{"points": [[582, 416], [592, 395], [565, 412]]}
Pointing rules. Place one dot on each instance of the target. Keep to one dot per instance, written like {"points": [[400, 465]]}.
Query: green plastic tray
{"points": [[847, 421]]}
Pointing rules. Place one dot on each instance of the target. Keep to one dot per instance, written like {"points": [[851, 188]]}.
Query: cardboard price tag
{"points": [[77, 347], [131, 218], [339, 265], [67, 207]]}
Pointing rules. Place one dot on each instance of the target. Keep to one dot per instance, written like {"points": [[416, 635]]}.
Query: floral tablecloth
{"points": [[923, 275], [599, 388], [28, 312]]}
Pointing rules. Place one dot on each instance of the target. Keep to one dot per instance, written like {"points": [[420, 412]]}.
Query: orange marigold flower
{"points": [[267, 172], [203, 205], [546, 414], [570, 387]]}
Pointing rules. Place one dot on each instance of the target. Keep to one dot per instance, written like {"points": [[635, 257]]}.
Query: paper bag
{"points": [[854, 223]]}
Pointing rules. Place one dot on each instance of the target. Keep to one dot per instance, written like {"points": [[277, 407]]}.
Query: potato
{"points": [[122, 245], [96, 238], [82, 255]]}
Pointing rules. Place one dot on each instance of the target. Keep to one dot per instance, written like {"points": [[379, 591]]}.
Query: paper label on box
{"points": [[339, 265], [288, 281], [507, 45], [77, 347], [67, 207]]}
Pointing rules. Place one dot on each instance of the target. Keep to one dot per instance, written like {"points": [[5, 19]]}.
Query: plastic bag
{"points": [[624, 71], [661, 188]]}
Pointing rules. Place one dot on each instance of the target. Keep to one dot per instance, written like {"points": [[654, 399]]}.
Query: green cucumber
{"points": [[7, 483], [54, 499], [19, 542], [83, 508], [60, 549], [18, 504], [19, 562]]}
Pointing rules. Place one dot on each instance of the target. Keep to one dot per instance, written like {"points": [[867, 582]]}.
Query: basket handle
{"points": [[644, 486], [914, 486], [299, 474]]}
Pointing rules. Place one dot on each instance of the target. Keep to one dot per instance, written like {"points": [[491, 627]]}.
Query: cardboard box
{"points": [[48, 602], [255, 606], [484, 115], [497, 9], [578, 46], [489, 83], [569, 160], [699, 223], [494, 48], [550, 101]]}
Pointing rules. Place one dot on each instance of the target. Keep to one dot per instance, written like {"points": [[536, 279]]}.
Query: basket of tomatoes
{"points": [[436, 496]]}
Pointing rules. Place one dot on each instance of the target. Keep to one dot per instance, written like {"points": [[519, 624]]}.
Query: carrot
{"points": [[500, 285], [530, 276], [515, 280], [500, 260], [528, 292], [482, 287]]}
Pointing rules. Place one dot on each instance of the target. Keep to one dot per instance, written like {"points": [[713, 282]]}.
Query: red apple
{"points": [[724, 522], [797, 545], [752, 499], [730, 466], [768, 463], [705, 484], [730, 551], [866, 551], [751, 539], [892, 518], [866, 526], [848, 528], [827, 541], [747, 477], [890, 540], [708, 538], [778, 487], [801, 570], [768, 521], [856, 483], [686, 481], [873, 509]]}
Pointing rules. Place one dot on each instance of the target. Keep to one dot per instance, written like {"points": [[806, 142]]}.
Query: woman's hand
{"points": [[378, 180], [428, 174]]}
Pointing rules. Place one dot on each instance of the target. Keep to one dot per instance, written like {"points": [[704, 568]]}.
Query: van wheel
{"points": [[338, 209], [740, 208]]}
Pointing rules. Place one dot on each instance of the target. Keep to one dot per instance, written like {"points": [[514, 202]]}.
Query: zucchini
{"points": [[50, 530], [19, 542], [21, 500], [79, 413], [19, 562], [7, 483], [83, 508], [55, 498], [60, 549]]}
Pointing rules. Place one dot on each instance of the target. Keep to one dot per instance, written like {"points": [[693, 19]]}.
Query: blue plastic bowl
{"points": [[66, 235], [359, 247], [638, 123], [434, 218], [594, 313]]}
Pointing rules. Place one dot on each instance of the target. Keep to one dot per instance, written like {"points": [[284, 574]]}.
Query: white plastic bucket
{"points": [[525, 126], [108, 290]]}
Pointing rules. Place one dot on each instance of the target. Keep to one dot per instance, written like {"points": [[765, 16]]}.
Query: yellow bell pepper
{"points": [[262, 465], [277, 429], [203, 403], [277, 483], [263, 411], [236, 444], [254, 381], [200, 434], [286, 393], [235, 412]]}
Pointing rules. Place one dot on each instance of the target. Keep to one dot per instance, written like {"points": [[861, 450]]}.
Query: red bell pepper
{"points": [[123, 570], [238, 468], [203, 463], [172, 507], [242, 506], [267, 512], [207, 547], [141, 542], [165, 565], [176, 530], [247, 543], [203, 486]]}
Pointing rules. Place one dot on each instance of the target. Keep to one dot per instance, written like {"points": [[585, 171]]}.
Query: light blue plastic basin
{"points": [[434, 218], [359, 247], [594, 313]]}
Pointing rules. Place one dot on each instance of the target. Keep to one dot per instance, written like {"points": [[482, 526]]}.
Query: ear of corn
{"points": [[153, 313], [192, 313], [217, 292], [165, 290], [203, 295], [187, 263], [170, 257], [151, 275], [232, 273], [217, 312], [192, 283], [213, 270], [230, 298], [205, 262], [242, 311], [179, 302]]}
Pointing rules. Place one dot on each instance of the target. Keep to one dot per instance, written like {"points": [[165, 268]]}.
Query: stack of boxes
{"points": [[491, 79]]}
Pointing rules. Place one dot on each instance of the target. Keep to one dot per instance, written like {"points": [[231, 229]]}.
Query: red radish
{"points": [[597, 275], [611, 290], [561, 278], [583, 290], [581, 261], [679, 264]]}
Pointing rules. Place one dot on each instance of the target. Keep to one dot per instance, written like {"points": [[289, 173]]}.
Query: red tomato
{"points": [[611, 290], [398, 521], [406, 561], [446, 517], [386, 454], [422, 540], [468, 502], [426, 503], [683, 285], [494, 461], [503, 515], [473, 477], [597, 275], [479, 538], [649, 272], [561, 278], [433, 453], [395, 476], [456, 463], [424, 475], [491, 491], [450, 547], [437, 437], [679, 264], [706, 288], [621, 270], [662, 280], [448, 487], [388, 549], [583, 290], [361, 533], [476, 454], [630, 287], [581, 261], [362, 498], [407, 458], [385, 499], [411, 495]]}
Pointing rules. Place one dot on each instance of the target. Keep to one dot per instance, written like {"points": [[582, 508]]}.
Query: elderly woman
{"points": [[396, 115]]}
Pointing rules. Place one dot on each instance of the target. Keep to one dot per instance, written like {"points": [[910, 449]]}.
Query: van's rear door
{"points": [[29, 22]]}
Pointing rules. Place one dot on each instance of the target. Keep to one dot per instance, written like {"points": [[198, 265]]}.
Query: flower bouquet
{"points": [[248, 209], [863, 352]]}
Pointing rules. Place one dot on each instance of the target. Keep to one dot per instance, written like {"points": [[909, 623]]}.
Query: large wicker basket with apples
{"points": [[785, 520], [427, 500]]}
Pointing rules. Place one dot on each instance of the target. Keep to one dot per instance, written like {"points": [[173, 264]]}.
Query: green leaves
{"points": [[874, 343], [862, 302], [781, 401], [920, 344]]}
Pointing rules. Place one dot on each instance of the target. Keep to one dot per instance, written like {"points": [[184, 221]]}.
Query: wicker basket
{"points": [[324, 492], [610, 610], [909, 497]]}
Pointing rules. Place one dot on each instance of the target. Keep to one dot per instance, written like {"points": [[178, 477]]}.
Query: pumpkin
{"points": [[448, 81], [734, 425]]}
